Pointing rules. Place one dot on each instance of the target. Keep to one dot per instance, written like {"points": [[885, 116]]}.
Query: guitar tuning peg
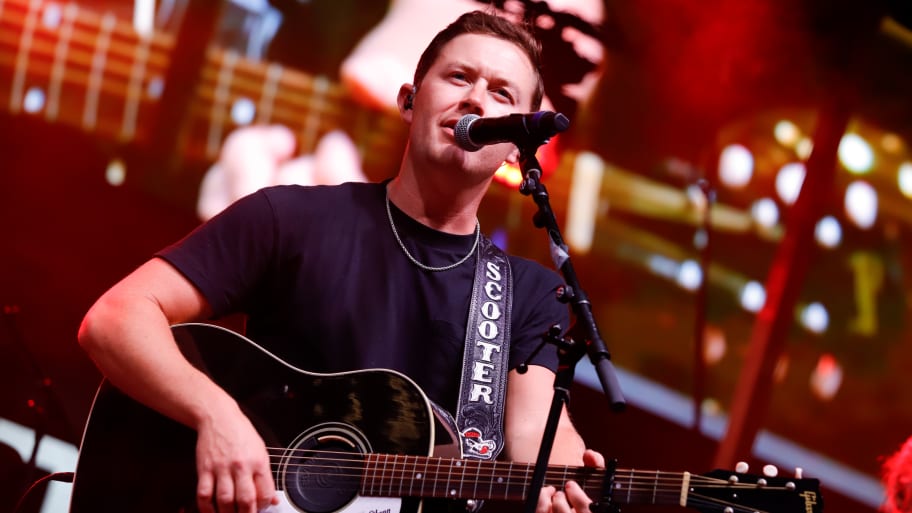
{"points": [[770, 471], [742, 467], [799, 473]]}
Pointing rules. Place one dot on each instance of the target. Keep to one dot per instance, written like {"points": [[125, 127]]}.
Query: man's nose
{"points": [[473, 101]]}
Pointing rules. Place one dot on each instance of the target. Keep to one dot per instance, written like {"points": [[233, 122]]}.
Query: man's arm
{"points": [[528, 404], [127, 333]]}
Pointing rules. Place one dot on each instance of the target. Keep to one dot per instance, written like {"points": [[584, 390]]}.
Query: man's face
{"points": [[474, 74]]}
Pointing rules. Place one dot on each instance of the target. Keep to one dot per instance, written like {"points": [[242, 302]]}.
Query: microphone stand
{"points": [[583, 337]]}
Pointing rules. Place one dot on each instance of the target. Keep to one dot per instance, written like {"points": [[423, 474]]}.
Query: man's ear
{"points": [[406, 100]]}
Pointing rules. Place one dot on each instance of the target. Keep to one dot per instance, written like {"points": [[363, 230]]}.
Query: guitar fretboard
{"points": [[386, 475], [92, 71]]}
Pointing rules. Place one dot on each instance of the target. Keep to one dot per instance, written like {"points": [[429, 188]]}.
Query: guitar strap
{"points": [[479, 414]]}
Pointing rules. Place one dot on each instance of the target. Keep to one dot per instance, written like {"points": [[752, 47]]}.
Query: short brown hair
{"points": [[486, 24]]}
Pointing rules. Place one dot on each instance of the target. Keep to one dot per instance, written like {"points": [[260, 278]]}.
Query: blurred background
{"points": [[735, 189]]}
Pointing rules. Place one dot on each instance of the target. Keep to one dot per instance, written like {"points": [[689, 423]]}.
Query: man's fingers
{"points": [[559, 503], [544, 499], [576, 497], [265, 490], [204, 489], [245, 493], [593, 459], [224, 492]]}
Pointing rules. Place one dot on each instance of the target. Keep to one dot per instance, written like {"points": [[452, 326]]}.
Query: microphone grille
{"points": [[461, 131]]}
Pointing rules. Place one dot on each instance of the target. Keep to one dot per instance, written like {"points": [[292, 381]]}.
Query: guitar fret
{"points": [[478, 466], [270, 88], [134, 89], [370, 474], [655, 486], [393, 478], [386, 478], [436, 481], [510, 480], [25, 45], [312, 124], [408, 472], [491, 480], [527, 478], [450, 492], [220, 103], [424, 475], [93, 91], [402, 473], [630, 484], [59, 66]]}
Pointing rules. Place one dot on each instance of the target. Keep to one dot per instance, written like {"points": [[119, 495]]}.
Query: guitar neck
{"points": [[414, 476], [73, 66]]}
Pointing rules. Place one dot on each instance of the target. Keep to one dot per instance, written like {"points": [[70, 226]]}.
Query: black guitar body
{"points": [[134, 459], [358, 442]]}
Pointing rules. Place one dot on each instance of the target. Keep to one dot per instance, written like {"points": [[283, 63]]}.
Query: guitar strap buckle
{"points": [[479, 414]]}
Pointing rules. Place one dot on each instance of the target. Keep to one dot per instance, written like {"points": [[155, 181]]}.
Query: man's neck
{"points": [[450, 208]]}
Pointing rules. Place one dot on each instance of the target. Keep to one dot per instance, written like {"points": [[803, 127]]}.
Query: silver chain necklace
{"points": [[389, 214]]}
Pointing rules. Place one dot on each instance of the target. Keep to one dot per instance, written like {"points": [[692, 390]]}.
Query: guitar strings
{"points": [[635, 481], [660, 487]]}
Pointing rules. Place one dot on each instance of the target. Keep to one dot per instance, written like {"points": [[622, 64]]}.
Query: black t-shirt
{"points": [[326, 286]]}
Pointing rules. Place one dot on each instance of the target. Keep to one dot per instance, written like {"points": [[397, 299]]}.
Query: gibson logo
{"points": [[488, 329], [810, 500]]}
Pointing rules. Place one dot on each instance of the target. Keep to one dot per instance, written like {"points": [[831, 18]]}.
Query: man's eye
{"points": [[505, 94]]}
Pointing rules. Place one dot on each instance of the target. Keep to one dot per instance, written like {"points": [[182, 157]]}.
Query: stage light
{"points": [[804, 148], [828, 232], [714, 345], [689, 275], [856, 154], [891, 143], [861, 204], [826, 377], [583, 203], [753, 296], [789, 181], [765, 212], [736, 166], [787, 133], [815, 318], [904, 178]]}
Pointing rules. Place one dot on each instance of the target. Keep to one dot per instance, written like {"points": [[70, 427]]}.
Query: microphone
{"points": [[473, 131]]}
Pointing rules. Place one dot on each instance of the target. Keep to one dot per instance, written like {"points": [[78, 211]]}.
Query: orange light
{"points": [[509, 175], [548, 157]]}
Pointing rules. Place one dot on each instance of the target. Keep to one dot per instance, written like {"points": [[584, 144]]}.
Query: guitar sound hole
{"points": [[322, 470]]}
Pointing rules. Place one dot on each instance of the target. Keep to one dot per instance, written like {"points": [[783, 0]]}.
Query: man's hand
{"points": [[572, 497], [258, 156], [233, 467]]}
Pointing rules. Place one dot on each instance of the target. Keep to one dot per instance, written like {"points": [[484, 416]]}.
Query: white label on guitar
{"points": [[359, 505]]}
